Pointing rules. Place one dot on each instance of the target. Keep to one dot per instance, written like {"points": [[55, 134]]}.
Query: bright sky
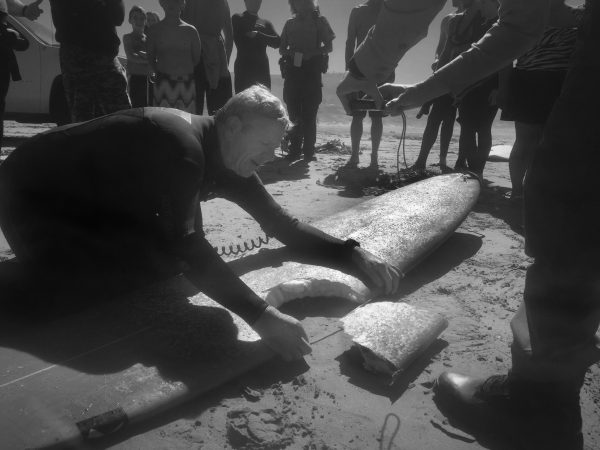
{"points": [[413, 67]]}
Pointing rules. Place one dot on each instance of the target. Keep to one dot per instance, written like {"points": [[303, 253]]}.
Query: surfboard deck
{"points": [[93, 373], [500, 153]]}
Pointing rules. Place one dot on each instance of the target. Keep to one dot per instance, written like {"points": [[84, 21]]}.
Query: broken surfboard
{"points": [[93, 373]]}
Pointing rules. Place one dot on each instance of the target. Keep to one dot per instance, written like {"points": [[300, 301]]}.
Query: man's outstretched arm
{"points": [[210, 274]]}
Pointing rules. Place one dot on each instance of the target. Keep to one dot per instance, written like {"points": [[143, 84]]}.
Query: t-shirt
{"points": [[306, 34]]}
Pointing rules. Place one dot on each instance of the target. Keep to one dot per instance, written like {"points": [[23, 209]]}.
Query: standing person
{"points": [[151, 19], [362, 18], [98, 202], [173, 52], [306, 40], [212, 19], [442, 110], [10, 40], [134, 44], [95, 81], [555, 333], [477, 106], [533, 86], [252, 35]]}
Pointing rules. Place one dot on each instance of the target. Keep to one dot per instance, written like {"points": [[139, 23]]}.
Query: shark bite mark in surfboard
{"points": [[390, 335]]}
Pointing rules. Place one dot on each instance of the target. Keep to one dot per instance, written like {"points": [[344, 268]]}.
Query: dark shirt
{"points": [[150, 168], [89, 24], [11, 39], [252, 64]]}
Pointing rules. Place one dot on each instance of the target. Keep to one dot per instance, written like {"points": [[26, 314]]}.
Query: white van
{"points": [[40, 94]]}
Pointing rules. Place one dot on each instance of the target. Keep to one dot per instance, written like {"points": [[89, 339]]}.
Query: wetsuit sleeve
{"points": [[132, 55], [209, 273], [271, 38], [251, 195]]}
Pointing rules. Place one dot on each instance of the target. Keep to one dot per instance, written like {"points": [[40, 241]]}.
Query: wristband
{"points": [[350, 244]]}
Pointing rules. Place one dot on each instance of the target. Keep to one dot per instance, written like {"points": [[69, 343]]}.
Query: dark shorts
{"points": [[363, 114], [531, 95]]}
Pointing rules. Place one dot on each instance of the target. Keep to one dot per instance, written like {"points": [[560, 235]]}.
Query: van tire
{"points": [[59, 109]]}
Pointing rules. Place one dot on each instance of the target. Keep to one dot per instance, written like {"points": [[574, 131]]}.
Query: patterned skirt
{"points": [[175, 92]]}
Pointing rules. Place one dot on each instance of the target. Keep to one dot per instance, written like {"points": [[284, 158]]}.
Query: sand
{"points": [[328, 401]]}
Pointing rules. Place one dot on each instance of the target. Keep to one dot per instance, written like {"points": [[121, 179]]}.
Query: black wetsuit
{"points": [[124, 189], [252, 64]]}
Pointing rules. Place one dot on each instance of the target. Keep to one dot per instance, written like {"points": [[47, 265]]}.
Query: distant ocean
{"points": [[332, 115]]}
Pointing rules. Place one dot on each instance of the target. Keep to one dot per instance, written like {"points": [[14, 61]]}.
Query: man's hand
{"points": [[385, 277], [33, 11], [251, 34], [350, 86], [283, 334]]}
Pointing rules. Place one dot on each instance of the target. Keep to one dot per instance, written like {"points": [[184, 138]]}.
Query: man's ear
{"points": [[233, 124]]}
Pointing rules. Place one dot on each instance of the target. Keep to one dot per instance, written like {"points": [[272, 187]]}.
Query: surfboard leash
{"points": [[246, 246], [401, 143]]}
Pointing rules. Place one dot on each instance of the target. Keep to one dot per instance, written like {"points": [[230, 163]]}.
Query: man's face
{"points": [[253, 5], [172, 7], [250, 142], [138, 20]]}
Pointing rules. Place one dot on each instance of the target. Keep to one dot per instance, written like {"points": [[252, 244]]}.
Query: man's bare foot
{"points": [[352, 162]]}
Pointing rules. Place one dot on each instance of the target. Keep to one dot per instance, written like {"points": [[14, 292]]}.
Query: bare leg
{"points": [[356, 130], [527, 138], [376, 133], [430, 135], [446, 136]]}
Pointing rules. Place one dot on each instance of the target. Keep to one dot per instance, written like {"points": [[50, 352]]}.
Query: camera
{"points": [[363, 104]]}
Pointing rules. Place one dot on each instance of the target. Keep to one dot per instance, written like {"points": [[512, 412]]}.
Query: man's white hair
{"points": [[255, 101]]}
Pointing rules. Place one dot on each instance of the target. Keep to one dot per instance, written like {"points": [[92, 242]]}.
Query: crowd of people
{"points": [[537, 60]]}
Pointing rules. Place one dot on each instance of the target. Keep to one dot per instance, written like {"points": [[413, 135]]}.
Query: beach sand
{"points": [[476, 280]]}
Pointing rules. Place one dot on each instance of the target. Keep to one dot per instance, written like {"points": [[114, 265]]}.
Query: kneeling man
{"points": [[85, 203]]}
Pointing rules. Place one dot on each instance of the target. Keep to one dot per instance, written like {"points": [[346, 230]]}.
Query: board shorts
{"points": [[363, 114]]}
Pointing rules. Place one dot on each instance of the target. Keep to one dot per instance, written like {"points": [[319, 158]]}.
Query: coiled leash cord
{"points": [[246, 246], [394, 433], [401, 143]]}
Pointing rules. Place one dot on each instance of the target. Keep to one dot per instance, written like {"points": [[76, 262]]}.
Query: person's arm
{"points": [[351, 38], [30, 11], [196, 45], [327, 35], [283, 44], [133, 56], [227, 30], [520, 26], [441, 42], [305, 239], [270, 38], [151, 52], [238, 31]]}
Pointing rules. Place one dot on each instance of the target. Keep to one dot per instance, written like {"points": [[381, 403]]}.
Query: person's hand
{"points": [[350, 86], [33, 11], [152, 77], [390, 91], [410, 98], [251, 34], [282, 334], [385, 277]]}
